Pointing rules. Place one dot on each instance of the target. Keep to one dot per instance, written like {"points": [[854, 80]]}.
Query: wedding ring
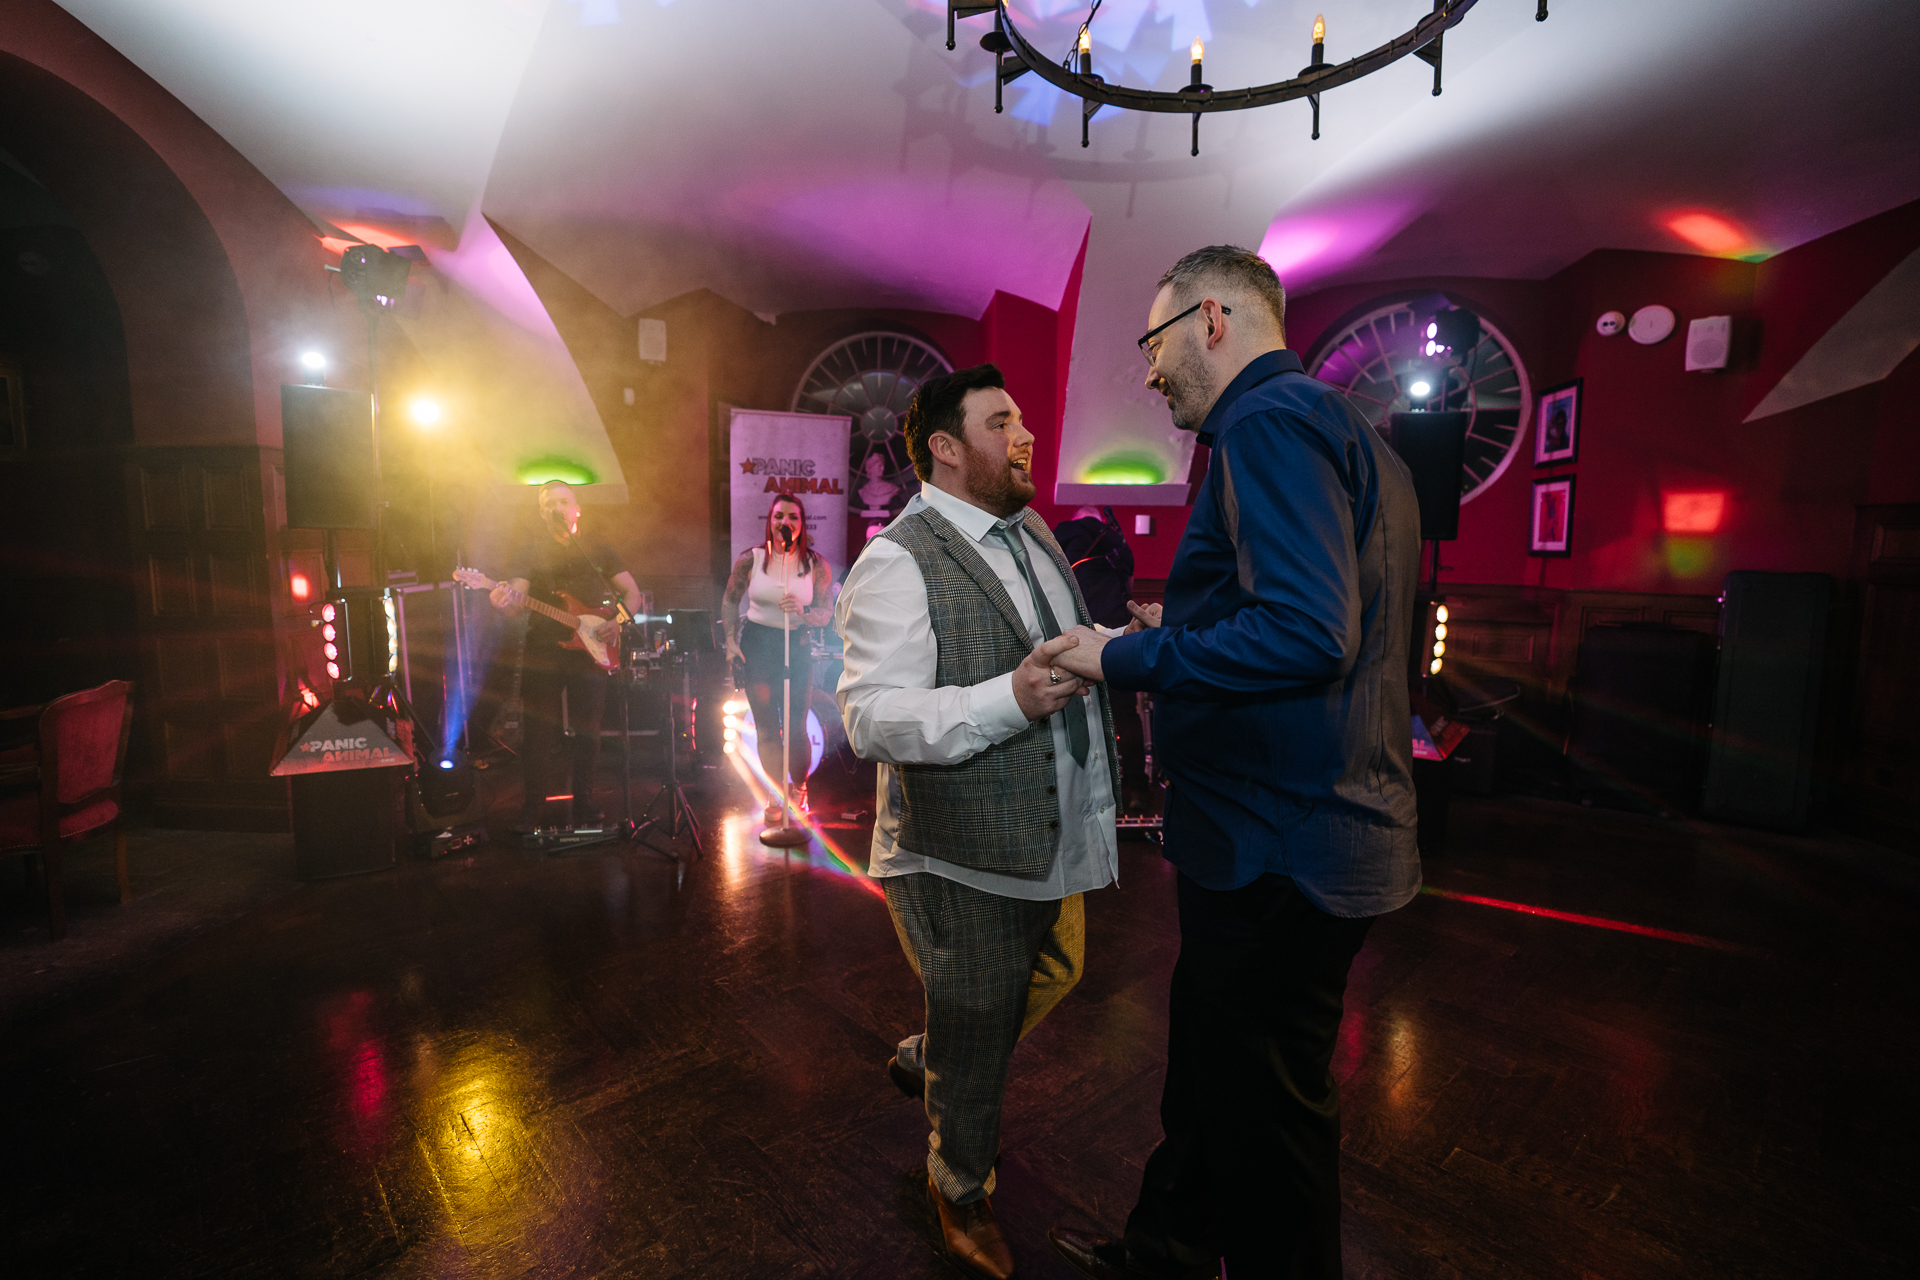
{"points": [[1053, 677]]}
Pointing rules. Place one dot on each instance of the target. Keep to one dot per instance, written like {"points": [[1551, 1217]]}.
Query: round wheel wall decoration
{"points": [[1380, 362], [870, 378]]}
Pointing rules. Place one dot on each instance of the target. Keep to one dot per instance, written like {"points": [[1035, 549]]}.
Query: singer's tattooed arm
{"points": [[730, 603]]}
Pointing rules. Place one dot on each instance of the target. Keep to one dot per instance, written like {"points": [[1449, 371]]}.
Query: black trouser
{"points": [[762, 648], [1250, 1165], [546, 670]]}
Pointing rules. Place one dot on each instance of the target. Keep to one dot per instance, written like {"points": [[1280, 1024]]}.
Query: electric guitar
{"points": [[590, 626]]}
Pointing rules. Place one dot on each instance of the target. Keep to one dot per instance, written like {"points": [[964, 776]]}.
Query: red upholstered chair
{"points": [[69, 784]]}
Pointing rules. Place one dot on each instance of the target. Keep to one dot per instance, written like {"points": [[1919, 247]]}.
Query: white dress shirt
{"points": [[895, 715]]}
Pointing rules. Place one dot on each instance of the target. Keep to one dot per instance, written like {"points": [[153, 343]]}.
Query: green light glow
{"points": [[554, 467], [1689, 557], [1130, 466]]}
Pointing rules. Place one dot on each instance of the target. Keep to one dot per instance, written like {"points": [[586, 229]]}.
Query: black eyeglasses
{"points": [[1154, 332]]}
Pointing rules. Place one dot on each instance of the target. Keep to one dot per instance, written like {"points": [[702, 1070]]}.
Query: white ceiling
{"points": [[793, 154]]}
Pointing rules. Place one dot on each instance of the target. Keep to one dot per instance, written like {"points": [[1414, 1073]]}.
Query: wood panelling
{"points": [[1881, 770], [224, 492], [192, 746], [1532, 635], [182, 664], [1895, 546], [231, 582], [245, 664], [163, 501], [170, 590], [211, 696]]}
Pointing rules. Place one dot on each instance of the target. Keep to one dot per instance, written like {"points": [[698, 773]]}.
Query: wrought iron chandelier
{"points": [[1014, 56]]}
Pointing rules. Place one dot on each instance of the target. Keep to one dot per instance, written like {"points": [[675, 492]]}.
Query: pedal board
{"points": [[456, 840], [563, 839]]}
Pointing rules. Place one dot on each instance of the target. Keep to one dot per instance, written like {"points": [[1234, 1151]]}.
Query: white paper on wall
{"points": [[804, 454]]}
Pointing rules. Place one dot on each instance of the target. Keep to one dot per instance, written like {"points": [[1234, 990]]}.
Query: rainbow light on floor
{"points": [[745, 758], [1598, 922]]}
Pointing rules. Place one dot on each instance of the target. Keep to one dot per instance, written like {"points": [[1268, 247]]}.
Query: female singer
{"points": [[785, 555]]}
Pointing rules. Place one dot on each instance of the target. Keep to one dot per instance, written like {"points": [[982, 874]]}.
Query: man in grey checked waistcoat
{"points": [[995, 805]]}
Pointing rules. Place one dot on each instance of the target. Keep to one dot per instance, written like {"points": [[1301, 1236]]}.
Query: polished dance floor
{"points": [[1599, 1046]]}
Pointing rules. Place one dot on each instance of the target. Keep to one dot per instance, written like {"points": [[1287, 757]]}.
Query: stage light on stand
{"points": [[425, 412], [326, 613], [1420, 390], [333, 671], [315, 364], [1440, 614], [300, 586]]}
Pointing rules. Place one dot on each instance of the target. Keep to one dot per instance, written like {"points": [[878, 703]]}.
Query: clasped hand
{"points": [[1083, 659], [1034, 686]]}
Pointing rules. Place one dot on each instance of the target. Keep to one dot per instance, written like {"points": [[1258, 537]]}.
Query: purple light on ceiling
{"points": [[1306, 247]]}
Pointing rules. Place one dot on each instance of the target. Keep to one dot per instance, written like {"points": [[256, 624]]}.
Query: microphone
{"points": [[786, 538]]}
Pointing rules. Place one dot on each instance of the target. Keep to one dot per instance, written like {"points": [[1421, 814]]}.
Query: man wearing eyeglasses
{"points": [[1278, 668]]}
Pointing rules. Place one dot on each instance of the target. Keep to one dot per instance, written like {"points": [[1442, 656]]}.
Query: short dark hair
{"points": [[937, 406], [1231, 267]]}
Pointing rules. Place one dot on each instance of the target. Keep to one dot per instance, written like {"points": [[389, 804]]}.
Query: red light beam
{"points": [[1597, 922]]}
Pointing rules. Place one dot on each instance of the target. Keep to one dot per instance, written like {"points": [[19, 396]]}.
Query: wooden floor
{"points": [[612, 1064]]}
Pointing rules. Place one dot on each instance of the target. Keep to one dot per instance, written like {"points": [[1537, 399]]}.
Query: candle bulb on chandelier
{"points": [[1199, 51], [1086, 52], [1319, 39]]}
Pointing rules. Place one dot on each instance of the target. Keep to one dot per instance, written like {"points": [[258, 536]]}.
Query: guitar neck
{"points": [[546, 610]]}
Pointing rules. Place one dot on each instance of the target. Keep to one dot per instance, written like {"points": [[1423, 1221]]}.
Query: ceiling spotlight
{"points": [[425, 412], [1420, 390]]}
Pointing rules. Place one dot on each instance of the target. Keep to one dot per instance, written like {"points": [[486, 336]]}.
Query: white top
{"points": [[763, 590], [894, 715]]}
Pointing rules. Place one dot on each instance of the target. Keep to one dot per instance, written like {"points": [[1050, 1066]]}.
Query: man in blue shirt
{"points": [[1278, 667]]}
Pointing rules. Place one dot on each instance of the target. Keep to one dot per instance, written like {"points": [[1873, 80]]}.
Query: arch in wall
{"points": [[188, 344], [219, 283]]}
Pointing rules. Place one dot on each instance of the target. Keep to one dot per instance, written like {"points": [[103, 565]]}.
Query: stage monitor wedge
{"points": [[327, 435], [1433, 445]]}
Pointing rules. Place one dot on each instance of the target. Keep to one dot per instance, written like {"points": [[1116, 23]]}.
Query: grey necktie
{"points": [[1076, 717]]}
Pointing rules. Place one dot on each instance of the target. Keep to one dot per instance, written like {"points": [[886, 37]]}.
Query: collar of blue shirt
{"points": [[1270, 364]]}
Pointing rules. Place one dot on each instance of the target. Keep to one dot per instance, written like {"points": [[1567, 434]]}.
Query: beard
{"points": [[1187, 386], [994, 483]]}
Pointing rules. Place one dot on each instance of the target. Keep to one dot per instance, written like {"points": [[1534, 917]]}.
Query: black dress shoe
{"points": [[1103, 1259], [906, 1079]]}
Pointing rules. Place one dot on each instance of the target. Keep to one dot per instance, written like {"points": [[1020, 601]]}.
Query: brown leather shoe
{"points": [[971, 1237]]}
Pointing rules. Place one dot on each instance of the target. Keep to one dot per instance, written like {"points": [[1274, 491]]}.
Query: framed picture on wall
{"points": [[1557, 434], [1552, 518]]}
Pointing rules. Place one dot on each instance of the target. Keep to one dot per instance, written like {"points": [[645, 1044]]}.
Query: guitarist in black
{"points": [[554, 558]]}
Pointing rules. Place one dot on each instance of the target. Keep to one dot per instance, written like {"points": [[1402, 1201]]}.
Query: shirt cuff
{"points": [[997, 710], [1125, 659]]}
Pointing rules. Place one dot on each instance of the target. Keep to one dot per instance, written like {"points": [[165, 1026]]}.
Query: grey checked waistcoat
{"points": [[998, 810]]}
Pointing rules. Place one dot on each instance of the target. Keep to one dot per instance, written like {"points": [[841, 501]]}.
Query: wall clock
{"points": [[870, 377], [1379, 361]]}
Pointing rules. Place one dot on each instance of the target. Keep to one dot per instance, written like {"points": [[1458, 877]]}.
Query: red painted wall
{"points": [[1648, 427]]}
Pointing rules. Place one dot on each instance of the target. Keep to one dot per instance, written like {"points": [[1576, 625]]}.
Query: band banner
{"points": [[804, 454]]}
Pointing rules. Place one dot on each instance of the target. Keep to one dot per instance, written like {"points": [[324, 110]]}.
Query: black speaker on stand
{"points": [[1433, 446], [327, 436]]}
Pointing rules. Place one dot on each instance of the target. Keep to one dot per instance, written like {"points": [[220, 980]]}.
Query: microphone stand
{"points": [[784, 835]]}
